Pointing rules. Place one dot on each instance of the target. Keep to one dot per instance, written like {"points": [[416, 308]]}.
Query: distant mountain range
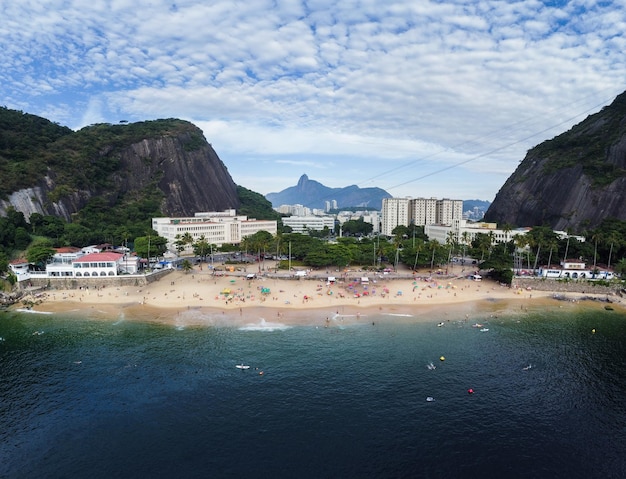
{"points": [[313, 194]]}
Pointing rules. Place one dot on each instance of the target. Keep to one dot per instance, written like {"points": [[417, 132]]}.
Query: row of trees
{"points": [[541, 246]]}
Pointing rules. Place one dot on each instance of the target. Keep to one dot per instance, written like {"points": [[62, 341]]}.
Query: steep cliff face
{"points": [[180, 165], [574, 181], [191, 181]]}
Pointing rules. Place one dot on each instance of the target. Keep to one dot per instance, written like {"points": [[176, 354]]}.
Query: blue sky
{"points": [[421, 98]]}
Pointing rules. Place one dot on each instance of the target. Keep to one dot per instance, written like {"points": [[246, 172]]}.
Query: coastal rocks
{"points": [[8, 299]]}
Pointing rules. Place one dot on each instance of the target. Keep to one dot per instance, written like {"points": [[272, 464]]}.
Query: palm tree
{"points": [[466, 239], [552, 244], [201, 247], [418, 248], [507, 228], [450, 241], [492, 240], [186, 266], [615, 239], [520, 243], [187, 238], [538, 241], [567, 246], [179, 243], [434, 244], [596, 237]]}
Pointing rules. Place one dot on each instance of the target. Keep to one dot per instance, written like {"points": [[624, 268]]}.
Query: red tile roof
{"points": [[19, 261], [67, 249], [94, 257]]}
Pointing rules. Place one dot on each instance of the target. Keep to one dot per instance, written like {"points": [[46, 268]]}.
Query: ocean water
{"points": [[102, 399]]}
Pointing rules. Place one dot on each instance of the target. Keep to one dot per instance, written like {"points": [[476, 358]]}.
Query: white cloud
{"points": [[352, 88]]}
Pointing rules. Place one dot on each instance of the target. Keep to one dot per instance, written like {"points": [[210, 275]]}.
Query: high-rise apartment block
{"points": [[418, 211], [395, 212]]}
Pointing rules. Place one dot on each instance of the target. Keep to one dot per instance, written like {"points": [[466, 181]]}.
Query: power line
{"points": [[441, 170], [494, 133]]}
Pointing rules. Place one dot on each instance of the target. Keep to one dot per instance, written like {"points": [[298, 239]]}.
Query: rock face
{"points": [[313, 194], [191, 179], [574, 181]]}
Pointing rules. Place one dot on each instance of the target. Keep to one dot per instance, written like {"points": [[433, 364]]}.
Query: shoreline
{"points": [[201, 299]]}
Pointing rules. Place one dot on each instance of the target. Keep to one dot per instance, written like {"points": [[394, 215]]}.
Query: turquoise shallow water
{"points": [[89, 398]]}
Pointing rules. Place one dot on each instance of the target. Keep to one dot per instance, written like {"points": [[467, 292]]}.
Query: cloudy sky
{"points": [[422, 98]]}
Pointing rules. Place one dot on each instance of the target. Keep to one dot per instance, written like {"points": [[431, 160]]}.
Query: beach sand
{"points": [[200, 298]]}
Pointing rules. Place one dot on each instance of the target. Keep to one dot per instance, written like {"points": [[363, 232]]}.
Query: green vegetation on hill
{"points": [[89, 156], [30, 145], [254, 205], [587, 144], [24, 140]]}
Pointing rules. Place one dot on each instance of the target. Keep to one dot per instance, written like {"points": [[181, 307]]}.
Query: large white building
{"points": [[464, 232], [419, 211], [218, 228], [301, 224]]}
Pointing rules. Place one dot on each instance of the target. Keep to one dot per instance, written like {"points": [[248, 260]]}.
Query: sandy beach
{"points": [[200, 298]]}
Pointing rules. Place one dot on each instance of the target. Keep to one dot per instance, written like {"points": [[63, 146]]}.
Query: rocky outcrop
{"points": [[190, 178], [574, 181], [191, 181]]}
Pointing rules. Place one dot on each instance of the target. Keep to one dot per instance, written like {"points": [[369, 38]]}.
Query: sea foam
{"points": [[263, 325]]}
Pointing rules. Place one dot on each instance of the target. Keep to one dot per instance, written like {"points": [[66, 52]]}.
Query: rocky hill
{"points": [[51, 170], [313, 194], [573, 181]]}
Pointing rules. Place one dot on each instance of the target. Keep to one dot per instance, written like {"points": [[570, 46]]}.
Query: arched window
{"points": [[78, 273], [87, 273]]}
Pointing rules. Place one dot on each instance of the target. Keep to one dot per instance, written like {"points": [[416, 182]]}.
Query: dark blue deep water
{"points": [[102, 399]]}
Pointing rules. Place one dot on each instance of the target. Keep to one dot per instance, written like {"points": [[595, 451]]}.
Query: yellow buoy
{"points": [[442, 358], [593, 331]]}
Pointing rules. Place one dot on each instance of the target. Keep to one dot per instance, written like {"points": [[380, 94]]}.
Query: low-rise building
{"points": [[573, 270], [20, 268], [464, 232], [217, 228], [302, 224]]}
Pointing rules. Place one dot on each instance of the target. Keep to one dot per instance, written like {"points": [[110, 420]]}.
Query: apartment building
{"points": [[419, 211], [395, 212]]}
